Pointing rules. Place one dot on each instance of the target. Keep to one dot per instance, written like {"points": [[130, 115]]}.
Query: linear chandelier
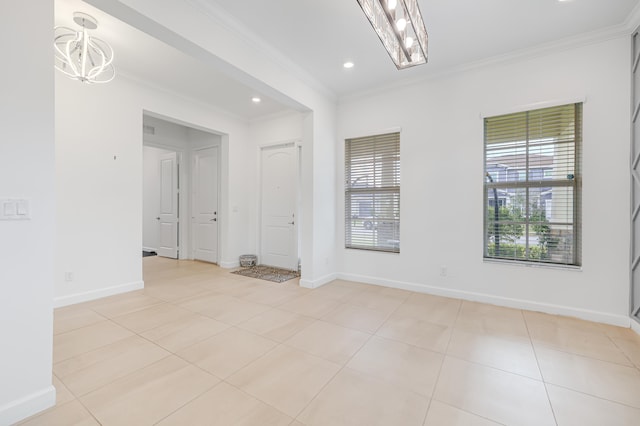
{"points": [[81, 56], [401, 29]]}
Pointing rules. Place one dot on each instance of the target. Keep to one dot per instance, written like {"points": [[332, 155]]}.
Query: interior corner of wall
{"points": [[229, 264], [319, 282]]}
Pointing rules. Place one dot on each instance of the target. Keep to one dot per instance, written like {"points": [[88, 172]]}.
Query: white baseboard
{"points": [[317, 283], [149, 249], [72, 299], [602, 317], [25, 407], [229, 264]]}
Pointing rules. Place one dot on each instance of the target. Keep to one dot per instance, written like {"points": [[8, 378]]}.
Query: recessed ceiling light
{"points": [[256, 100], [348, 65]]}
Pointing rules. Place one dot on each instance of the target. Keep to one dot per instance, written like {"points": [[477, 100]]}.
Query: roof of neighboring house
{"points": [[518, 161]]}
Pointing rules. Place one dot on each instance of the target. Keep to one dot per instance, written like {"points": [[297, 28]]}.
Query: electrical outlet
{"points": [[68, 276], [443, 270]]}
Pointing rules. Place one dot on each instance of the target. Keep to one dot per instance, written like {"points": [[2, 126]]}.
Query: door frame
{"points": [[297, 144], [192, 199]]}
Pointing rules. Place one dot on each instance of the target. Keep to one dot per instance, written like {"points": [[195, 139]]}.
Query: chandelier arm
{"points": [[97, 69], [104, 47], [84, 53], [113, 75], [68, 58], [59, 41], [91, 60]]}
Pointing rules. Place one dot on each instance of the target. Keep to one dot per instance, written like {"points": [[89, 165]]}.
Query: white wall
{"points": [[442, 181], [99, 167], [26, 171], [276, 129], [151, 196]]}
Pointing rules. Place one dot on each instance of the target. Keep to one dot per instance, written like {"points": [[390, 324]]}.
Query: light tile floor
{"points": [[201, 346]]}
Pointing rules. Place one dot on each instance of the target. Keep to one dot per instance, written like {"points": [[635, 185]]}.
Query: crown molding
{"points": [[585, 39], [276, 115]]}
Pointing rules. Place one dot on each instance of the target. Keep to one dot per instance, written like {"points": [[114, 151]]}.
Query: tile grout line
{"points": [[623, 352], [189, 401], [256, 397], [238, 369], [444, 356], [342, 367], [169, 354], [544, 382], [88, 410], [98, 347], [597, 397], [587, 357], [575, 390]]}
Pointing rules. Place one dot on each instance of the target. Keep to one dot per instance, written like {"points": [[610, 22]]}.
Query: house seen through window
{"points": [[532, 185], [372, 193]]}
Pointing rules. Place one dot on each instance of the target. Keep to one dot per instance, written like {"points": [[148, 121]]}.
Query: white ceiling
{"points": [[142, 57], [320, 35]]}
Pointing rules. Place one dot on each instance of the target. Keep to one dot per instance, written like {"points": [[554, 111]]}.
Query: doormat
{"points": [[268, 273]]}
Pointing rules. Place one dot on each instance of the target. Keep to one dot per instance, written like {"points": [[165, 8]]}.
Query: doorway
{"points": [[161, 203], [279, 206], [181, 190]]}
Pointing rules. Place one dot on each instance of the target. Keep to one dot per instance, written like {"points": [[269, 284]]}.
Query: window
{"points": [[372, 193], [534, 215]]}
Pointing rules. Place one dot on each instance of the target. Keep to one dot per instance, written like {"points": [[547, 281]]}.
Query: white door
{"points": [[168, 217], [279, 241], [205, 205]]}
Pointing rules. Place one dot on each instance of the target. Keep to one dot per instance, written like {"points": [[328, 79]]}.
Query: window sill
{"points": [[534, 265], [374, 250]]}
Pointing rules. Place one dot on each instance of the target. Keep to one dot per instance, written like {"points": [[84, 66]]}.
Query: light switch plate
{"points": [[9, 208], [14, 209]]}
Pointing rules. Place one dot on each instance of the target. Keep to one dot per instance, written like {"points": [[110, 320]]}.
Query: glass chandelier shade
{"points": [[81, 56], [401, 30]]}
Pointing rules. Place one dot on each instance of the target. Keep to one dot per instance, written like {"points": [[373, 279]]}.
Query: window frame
{"points": [[575, 184], [389, 166]]}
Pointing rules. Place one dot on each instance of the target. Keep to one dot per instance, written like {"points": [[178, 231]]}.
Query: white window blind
{"points": [[532, 185], [372, 193]]}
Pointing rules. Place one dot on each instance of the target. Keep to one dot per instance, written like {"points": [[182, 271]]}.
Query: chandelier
{"points": [[401, 29], [81, 56]]}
